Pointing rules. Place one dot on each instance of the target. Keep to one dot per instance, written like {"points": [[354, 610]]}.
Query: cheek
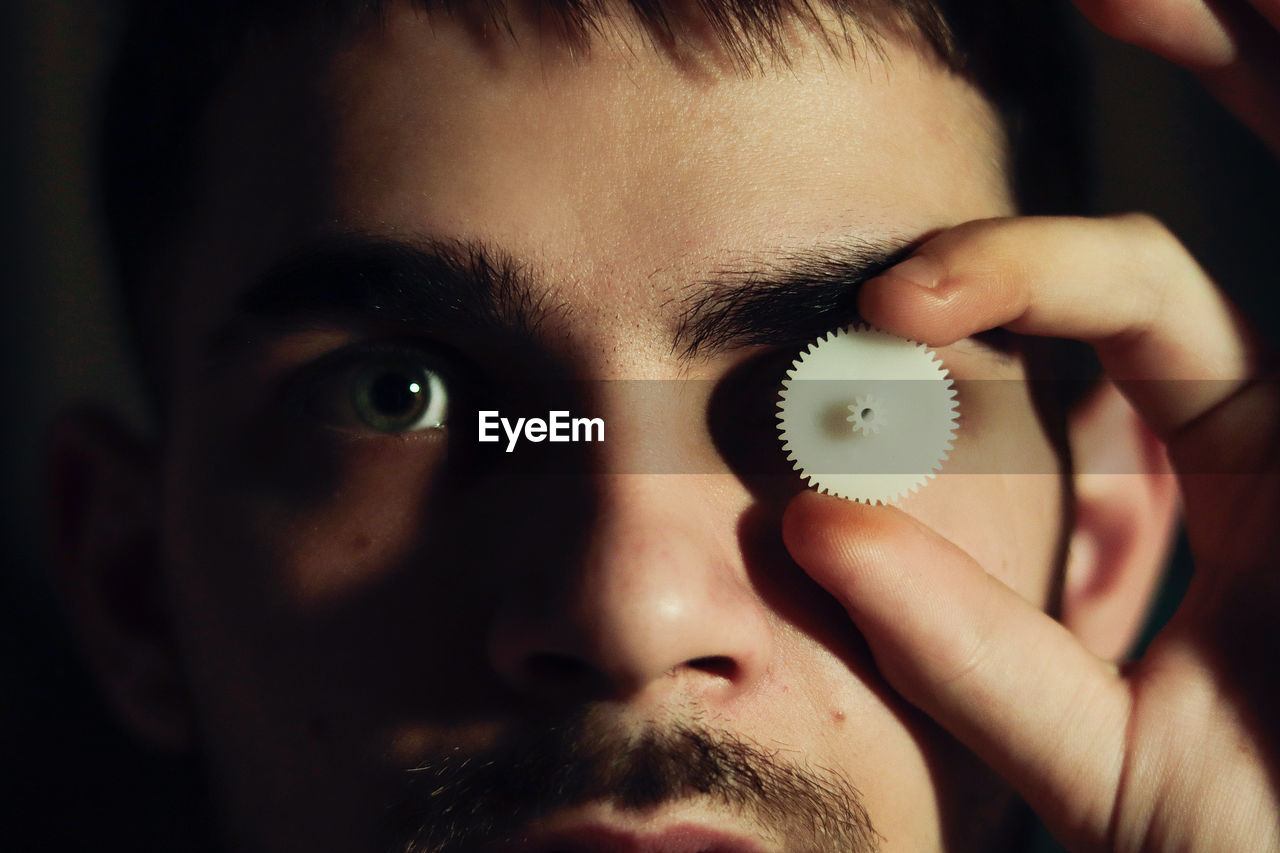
{"points": [[297, 580], [1012, 525], [335, 600], [1000, 496], [370, 547], [301, 519]]}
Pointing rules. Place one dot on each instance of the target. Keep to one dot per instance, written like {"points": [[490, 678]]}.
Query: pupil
{"points": [[394, 394]]}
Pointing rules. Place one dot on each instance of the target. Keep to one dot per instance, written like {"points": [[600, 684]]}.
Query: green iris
{"points": [[398, 397]]}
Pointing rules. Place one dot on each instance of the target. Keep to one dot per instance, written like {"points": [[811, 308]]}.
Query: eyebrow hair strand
{"points": [[798, 296], [433, 285], [451, 286]]}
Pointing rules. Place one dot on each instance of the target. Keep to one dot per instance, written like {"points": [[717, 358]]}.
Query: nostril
{"points": [[717, 665]]}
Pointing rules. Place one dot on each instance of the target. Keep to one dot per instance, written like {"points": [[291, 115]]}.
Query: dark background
{"points": [[69, 778]]}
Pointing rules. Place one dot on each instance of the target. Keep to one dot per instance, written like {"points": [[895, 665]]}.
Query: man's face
{"points": [[617, 618]]}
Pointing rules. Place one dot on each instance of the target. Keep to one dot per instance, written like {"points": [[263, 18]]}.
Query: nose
{"points": [[658, 605]]}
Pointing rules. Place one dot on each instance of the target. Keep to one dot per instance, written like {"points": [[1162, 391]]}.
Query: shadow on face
{"points": [[360, 590]]}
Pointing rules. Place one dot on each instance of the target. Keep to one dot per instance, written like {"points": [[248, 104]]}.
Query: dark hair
{"points": [[175, 53]]}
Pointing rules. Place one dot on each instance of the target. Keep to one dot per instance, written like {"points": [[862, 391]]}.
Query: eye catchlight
{"points": [[867, 416]]}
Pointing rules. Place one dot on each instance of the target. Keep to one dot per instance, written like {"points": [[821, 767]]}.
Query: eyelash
{"points": [[742, 418], [323, 392]]}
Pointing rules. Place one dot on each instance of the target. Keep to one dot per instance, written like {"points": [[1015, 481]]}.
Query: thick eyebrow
{"points": [[795, 297], [430, 286], [434, 286]]}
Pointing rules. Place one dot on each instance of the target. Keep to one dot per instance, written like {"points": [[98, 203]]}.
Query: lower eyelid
{"points": [[322, 391]]}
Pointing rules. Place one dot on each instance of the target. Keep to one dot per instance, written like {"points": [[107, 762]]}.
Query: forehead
{"points": [[623, 176]]}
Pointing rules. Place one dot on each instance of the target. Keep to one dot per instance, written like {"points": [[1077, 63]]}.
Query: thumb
{"points": [[1005, 679]]}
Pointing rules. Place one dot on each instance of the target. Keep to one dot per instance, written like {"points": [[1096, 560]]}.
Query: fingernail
{"points": [[920, 270]]}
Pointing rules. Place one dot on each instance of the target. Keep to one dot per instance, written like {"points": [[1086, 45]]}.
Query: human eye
{"points": [[742, 416], [385, 389]]}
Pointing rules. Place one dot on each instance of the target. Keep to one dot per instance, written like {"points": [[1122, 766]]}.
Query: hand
{"points": [[1179, 751], [1233, 45]]}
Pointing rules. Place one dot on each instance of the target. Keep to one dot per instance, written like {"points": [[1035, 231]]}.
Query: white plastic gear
{"points": [[866, 415], [839, 451]]}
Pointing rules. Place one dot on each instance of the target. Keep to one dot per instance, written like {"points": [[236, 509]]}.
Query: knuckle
{"points": [[968, 660], [1154, 252], [1142, 224], [1154, 241]]}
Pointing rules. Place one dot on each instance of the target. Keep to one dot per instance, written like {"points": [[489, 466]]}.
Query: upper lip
{"points": [[601, 838]]}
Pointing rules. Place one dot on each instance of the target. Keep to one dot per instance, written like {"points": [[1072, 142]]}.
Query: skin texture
{"points": [[321, 581], [1100, 773], [329, 607]]}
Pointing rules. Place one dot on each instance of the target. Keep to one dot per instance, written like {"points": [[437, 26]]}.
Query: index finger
{"points": [[1165, 334], [1162, 329]]}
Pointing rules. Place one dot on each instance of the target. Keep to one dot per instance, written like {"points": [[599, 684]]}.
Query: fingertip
{"points": [[884, 300], [826, 534], [906, 307], [810, 514], [1193, 34], [922, 270]]}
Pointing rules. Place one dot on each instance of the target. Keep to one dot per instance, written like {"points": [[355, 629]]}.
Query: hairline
{"points": [[751, 44]]}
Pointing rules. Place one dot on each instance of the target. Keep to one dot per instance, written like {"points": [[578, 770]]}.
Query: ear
{"points": [[104, 496], [1126, 507]]}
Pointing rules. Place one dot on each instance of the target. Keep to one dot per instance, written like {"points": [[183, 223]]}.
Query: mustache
{"points": [[460, 801]]}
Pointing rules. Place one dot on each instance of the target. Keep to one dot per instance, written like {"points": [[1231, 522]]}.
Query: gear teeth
{"points": [[864, 353]]}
